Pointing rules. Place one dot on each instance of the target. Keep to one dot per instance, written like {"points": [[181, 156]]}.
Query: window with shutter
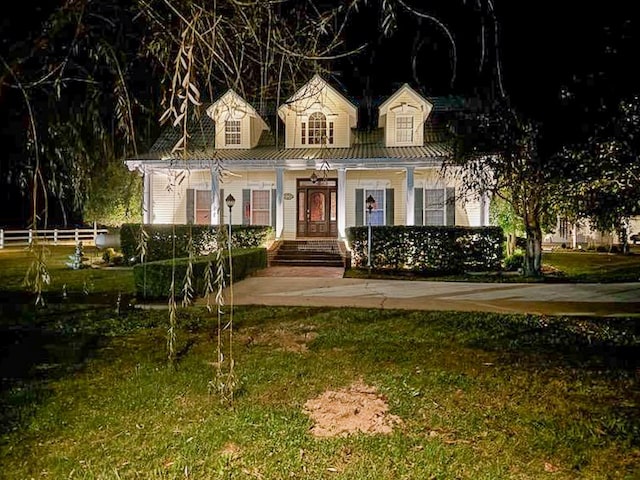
{"points": [[260, 207]]}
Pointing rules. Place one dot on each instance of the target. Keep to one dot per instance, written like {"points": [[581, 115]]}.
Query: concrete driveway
{"points": [[326, 287]]}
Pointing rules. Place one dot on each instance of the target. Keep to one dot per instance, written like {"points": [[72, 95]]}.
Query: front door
{"points": [[317, 208]]}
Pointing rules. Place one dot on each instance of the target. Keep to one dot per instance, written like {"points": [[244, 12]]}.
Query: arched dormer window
{"points": [[317, 131]]}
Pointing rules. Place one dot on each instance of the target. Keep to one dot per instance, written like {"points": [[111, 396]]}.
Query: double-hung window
{"points": [[260, 207], [377, 216], [404, 129], [434, 206], [203, 207], [232, 132]]}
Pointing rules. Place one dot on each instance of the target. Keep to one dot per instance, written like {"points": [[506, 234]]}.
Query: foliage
{"points": [[113, 196], [500, 152], [604, 183], [111, 257], [74, 68], [204, 238], [514, 261], [154, 279], [429, 248]]}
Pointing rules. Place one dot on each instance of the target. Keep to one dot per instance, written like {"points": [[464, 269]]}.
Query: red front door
{"points": [[317, 208]]}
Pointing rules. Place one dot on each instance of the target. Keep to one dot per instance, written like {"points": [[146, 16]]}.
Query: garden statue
{"points": [[75, 260]]}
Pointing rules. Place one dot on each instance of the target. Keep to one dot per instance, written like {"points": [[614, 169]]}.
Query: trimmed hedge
{"points": [[428, 249], [204, 238], [153, 279]]}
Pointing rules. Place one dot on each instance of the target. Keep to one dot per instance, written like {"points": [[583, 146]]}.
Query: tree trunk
{"points": [[533, 254], [511, 244]]}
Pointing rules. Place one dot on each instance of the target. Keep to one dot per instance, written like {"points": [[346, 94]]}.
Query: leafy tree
{"points": [[498, 153]]}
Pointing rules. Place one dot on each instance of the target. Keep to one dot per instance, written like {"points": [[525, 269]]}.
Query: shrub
{"points": [[428, 249], [112, 257], [153, 279], [601, 248], [161, 239], [514, 262]]}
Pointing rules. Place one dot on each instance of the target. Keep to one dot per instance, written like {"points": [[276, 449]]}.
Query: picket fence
{"points": [[56, 236]]}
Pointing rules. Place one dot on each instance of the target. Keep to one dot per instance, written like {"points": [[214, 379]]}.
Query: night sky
{"points": [[544, 46]]}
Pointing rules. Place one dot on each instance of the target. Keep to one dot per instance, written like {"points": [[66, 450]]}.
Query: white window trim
{"points": [[304, 127], [365, 194], [411, 130], [435, 186], [262, 188], [238, 133]]}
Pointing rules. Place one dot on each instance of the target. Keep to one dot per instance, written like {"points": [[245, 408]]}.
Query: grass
{"points": [[86, 393], [558, 267], [14, 263]]}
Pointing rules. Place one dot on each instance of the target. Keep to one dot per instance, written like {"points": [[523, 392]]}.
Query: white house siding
{"points": [[169, 193], [256, 126], [376, 180], [168, 199], [239, 180], [468, 211]]}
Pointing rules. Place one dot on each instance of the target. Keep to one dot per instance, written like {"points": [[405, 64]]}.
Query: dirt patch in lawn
{"points": [[288, 339], [357, 408]]}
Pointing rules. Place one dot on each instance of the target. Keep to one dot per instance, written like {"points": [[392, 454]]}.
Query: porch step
{"points": [[308, 253]]}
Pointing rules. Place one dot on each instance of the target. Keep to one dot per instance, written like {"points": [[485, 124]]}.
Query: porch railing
{"points": [[56, 236]]}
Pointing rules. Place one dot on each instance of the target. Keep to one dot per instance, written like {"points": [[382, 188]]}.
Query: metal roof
{"points": [[368, 148]]}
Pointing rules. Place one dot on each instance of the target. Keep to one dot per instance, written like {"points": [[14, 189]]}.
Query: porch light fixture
{"points": [[370, 201], [313, 178]]}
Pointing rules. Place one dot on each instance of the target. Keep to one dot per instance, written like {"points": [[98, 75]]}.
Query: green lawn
{"points": [[559, 266], [86, 392], [595, 267]]}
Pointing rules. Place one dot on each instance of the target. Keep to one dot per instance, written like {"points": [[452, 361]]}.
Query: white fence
{"points": [[70, 236]]}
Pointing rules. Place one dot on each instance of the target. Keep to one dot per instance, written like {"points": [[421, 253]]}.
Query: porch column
{"points": [[215, 197], [484, 204], [146, 195], [411, 202], [279, 202], [342, 202]]}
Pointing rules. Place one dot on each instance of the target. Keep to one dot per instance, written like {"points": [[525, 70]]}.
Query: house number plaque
{"points": [[288, 196]]}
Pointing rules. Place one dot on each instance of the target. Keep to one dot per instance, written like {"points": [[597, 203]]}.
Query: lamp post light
{"points": [[230, 201], [370, 204]]}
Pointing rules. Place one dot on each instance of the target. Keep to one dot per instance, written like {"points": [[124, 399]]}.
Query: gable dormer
{"points": [[402, 116], [238, 125], [316, 115]]}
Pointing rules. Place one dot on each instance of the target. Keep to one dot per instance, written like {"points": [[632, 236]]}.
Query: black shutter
{"points": [[359, 207], [389, 207], [451, 206], [418, 206], [190, 205], [246, 207], [221, 207]]}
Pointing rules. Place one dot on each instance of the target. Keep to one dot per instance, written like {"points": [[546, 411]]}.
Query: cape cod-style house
{"points": [[309, 171]]}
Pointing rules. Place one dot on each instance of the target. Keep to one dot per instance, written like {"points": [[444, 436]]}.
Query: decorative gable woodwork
{"points": [[316, 115], [402, 116]]}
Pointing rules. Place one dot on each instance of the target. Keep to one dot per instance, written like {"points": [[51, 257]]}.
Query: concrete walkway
{"points": [[326, 287]]}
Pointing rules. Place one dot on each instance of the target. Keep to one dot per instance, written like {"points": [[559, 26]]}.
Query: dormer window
{"points": [[317, 131], [404, 129], [232, 132]]}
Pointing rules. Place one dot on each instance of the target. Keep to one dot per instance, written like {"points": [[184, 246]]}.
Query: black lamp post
{"points": [[370, 204], [230, 201]]}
